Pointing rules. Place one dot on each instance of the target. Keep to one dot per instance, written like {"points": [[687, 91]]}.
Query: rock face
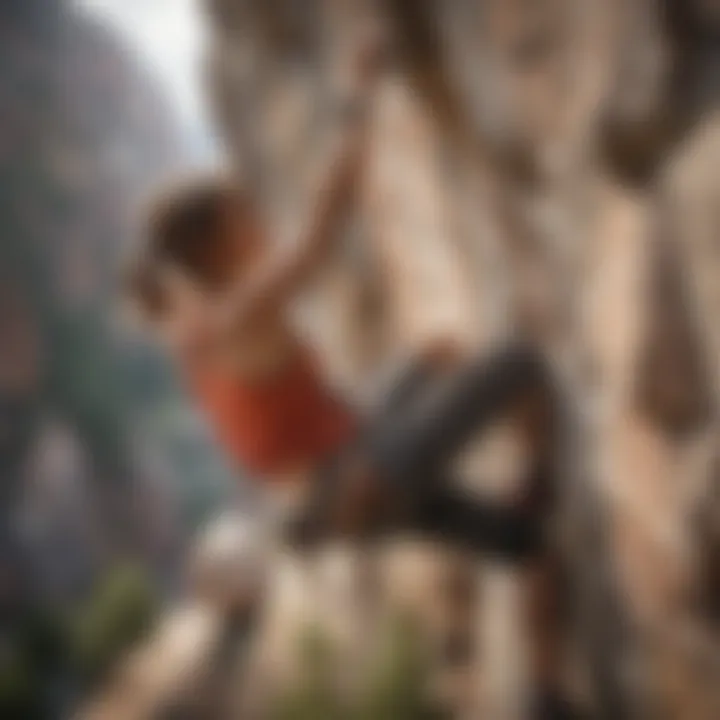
{"points": [[543, 168]]}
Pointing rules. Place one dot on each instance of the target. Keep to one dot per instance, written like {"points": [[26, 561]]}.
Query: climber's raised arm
{"points": [[286, 271]]}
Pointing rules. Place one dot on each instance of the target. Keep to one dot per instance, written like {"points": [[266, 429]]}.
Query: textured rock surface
{"points": [[548, 168]]}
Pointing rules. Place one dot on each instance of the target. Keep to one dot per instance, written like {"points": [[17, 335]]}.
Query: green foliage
{"points": [[41, 654], [32, 651], [18, 686], [314, 697], [393, 686], [396, 687], [118, 615]]}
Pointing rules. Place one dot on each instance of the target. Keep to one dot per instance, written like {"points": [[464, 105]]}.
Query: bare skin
{"points": [[242, 329]]}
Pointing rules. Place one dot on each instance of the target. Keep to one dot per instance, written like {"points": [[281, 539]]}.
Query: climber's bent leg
{"points": [[411, 381], [419, 443], [406, 453], [506, 532]]}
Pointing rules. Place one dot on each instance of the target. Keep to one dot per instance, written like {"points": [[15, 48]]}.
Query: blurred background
{"points": [[105, 470], [550, 168]]}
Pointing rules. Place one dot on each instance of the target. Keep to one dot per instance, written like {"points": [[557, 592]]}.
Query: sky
{"points": [[168, 35]]}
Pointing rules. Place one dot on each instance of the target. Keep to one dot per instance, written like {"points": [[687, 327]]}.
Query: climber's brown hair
{"points": [[185, 225]]}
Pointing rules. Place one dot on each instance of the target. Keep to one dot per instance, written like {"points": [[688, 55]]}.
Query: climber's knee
{"points": [[515, 371]]}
